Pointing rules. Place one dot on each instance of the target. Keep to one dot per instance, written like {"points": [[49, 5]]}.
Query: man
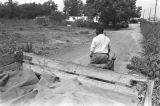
{"points": [[100, 47]]}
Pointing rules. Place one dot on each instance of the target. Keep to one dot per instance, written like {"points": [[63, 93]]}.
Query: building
{"points": [[85, 18]]}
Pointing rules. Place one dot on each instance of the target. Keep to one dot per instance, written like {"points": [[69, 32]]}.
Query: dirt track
{"points": [[125, 43], [72, 92]]}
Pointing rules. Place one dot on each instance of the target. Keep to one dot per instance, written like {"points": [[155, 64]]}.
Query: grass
{"points": [[23, 31], [149, 62]]}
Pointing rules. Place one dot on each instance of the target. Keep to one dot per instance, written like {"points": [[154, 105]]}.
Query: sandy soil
{"points": [[125, 44]]}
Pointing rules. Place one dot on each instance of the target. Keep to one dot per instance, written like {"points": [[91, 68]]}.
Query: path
{"points": [[125, 44]]}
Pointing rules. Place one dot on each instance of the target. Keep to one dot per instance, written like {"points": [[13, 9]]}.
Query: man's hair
{"points": [[99, 30]]}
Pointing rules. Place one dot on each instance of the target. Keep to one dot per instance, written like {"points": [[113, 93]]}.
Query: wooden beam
{"points": [[84, 70], [148, 98], [84, 80]]}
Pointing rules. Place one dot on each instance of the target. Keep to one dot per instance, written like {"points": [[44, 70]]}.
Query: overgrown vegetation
{"points": [[26, 11], [58, 17], [87, 24], [11, 39], [7, 42], [149, 63]]}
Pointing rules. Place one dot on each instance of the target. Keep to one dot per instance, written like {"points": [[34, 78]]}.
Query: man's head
{"points": [[99, 30]]}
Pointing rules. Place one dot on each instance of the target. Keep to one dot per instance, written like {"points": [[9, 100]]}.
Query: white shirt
{"points": [[100, 44]]}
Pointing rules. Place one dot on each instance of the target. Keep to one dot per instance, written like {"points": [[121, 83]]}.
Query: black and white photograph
{"points": [[79, 52]]}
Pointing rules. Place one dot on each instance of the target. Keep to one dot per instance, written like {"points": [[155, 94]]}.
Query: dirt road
{"points": [[73, 92], [125, 43]]}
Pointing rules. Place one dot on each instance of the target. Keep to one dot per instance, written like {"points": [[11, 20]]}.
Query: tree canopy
{"points": [[112, 10], [73, 7], [29, 10]]}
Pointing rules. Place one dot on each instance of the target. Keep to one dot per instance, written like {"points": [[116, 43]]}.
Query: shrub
{"points": [[151, 50], [149, 63], [80, 23], [134, 20], [92, 24], [41, 20], [58, 17], [84, 32], [7, 43], [87, 24]]}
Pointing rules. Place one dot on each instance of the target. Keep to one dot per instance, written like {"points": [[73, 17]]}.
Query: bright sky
{"points": [[146, 5]]}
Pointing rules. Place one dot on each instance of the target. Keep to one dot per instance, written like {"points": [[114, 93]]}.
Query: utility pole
{"points": [[150, 14], [143, 14], [155, 12]]}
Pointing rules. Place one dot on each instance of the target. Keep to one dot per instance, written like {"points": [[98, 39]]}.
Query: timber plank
{"points": [[87, 71], [82, 79]]}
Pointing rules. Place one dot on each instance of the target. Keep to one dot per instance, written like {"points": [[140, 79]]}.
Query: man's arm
{"points": [[93, 45], [109, 47]]}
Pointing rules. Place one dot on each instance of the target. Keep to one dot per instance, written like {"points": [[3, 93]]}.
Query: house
{"points": [[85, 18]]}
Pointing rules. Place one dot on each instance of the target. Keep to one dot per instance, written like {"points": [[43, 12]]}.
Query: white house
{"points": [[85, 18]]}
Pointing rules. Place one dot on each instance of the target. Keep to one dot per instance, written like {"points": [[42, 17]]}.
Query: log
{"points": [[84, 80], [84, 70]]}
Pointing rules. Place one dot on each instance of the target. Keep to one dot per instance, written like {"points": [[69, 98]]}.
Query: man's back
{"points": [[100, 44], [100, 48]]}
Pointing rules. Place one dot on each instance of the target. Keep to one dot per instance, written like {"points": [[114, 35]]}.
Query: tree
{"points": [[58, 16], [89, 11], [9, 9], [114, 11], [73, 7], [138, 12], [49, 7], [29, 10]]}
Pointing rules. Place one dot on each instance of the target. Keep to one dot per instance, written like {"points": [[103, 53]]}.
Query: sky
{"points": [[146, 5]]}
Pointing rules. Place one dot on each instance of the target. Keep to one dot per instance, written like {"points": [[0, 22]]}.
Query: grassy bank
{"points": [[149, 62], [47, 40]]}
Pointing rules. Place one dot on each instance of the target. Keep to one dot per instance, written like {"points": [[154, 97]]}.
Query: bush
{"points": [[149, 63], [42, 20], [87, 24], [84, 32], [92, 24], [80, 23], [58, 17], [133, 21], [7, 42]]}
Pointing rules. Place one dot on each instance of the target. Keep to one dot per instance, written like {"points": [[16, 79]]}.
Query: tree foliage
{"points": [[112, 10], [58, 16], [29, 11], [73, 7]]}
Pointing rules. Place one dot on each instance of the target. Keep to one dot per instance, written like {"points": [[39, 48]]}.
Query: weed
{"points": [[149, 63], [84, 32]]}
